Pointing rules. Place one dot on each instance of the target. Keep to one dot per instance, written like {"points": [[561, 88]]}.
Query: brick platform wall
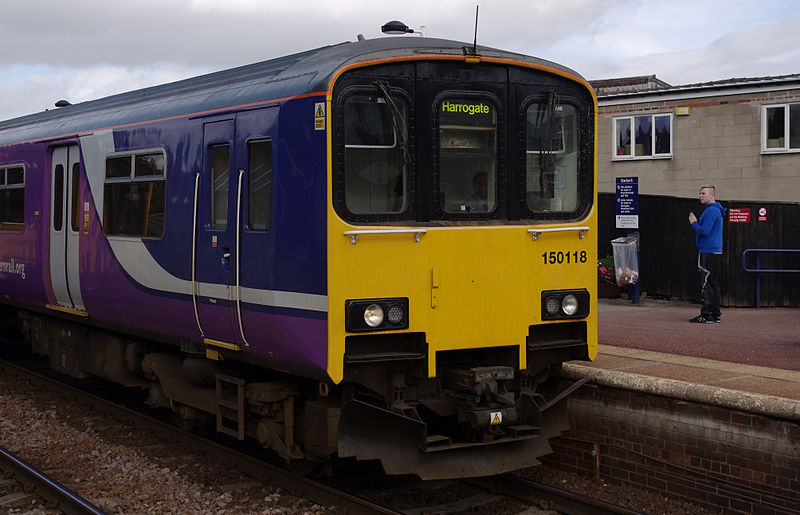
{"points": [[718, 458]]}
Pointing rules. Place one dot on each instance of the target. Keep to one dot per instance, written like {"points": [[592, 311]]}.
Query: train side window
{"points": [[259, 183], [12, 198], [552, 157], [219, 160], [135, 195], [76, 208], [375, 175], [58, 199], [467, 156]]}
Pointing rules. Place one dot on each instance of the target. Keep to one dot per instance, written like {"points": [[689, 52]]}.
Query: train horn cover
{"points": [[396, 27]]}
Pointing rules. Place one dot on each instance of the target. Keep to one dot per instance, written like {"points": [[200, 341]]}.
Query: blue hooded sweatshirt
{"points": [[709, 229]]}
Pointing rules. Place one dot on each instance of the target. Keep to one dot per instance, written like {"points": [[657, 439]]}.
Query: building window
{"points": [[643, 137], [778, 121], [12, 198], [134, 196]]}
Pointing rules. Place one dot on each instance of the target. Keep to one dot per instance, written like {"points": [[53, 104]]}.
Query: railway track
{"points": [[53, 493], [549, 497], [497, 491], [503, 494], [257, 469]]}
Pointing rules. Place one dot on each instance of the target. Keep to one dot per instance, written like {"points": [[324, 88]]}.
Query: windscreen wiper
{"points": [[398, 121]]}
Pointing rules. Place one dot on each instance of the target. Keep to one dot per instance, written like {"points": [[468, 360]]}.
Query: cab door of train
{"points": [[65, 210], [214, 247], [234, 242]]}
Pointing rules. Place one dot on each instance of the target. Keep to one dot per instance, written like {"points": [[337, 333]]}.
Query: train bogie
{"points": [[377, 250]]}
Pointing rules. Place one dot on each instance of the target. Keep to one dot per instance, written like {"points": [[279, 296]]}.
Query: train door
{"points": [[255, 271], [65, 227], [234, 241], [214, 247]]}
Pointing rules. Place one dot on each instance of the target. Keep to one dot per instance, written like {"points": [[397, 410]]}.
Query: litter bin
{"points": [[626, 261]]}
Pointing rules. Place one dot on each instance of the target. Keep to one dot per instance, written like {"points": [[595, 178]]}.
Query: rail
{"points": [[249, 464], [66, 500], [758, 270]]}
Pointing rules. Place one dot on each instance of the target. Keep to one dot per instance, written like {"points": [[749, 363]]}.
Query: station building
{"points": [[743, 136]]}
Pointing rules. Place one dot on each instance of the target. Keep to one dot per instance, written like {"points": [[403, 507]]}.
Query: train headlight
{"points": [[561, 304], [373, 315], [552, 305], [569, 305], [396, 314], [376, 314]]}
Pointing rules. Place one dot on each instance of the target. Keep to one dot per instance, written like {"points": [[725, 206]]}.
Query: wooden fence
{"points": [[668, 265]]}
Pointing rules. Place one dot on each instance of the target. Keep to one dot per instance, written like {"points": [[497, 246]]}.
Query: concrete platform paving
{"points": [[750, 361]]}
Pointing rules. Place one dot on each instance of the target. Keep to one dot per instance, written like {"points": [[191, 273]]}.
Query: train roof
{"points": [[274, 79]]}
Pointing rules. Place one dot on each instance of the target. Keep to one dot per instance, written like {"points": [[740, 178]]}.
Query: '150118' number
{"points": [[559, 258]]}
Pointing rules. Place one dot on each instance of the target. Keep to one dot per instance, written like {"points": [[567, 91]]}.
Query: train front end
{"points": [[462, 257]]}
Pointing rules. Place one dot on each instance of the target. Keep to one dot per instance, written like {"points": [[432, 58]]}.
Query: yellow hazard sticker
{"points": [[496, 417], [319, 116]]}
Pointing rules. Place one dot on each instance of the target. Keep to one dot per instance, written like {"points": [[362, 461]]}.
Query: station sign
{"points": [[627, 202]]}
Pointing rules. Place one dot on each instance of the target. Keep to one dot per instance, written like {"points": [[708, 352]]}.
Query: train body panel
{"points": [[280, 290], [381, 235], [467, 285], [22, 247]]}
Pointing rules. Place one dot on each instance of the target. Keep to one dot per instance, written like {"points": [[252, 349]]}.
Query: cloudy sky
{"points": [[86, 49]]}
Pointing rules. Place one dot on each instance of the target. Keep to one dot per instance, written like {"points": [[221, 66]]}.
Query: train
{"points": [[381, 249]]}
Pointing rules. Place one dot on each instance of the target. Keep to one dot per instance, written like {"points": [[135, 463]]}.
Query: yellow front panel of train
{"points": [[468, 286]]}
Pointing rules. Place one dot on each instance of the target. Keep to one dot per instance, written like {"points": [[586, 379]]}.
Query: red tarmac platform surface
{"points": [[767, 337]]}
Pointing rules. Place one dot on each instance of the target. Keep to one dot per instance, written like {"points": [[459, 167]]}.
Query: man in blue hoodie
{"points": [[709, 254]]}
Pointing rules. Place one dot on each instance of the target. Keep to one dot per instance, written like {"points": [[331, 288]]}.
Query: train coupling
{"points": [[483, 400]]}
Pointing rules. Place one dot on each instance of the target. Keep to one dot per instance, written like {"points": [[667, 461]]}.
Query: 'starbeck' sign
{"points": [[627, 202]]}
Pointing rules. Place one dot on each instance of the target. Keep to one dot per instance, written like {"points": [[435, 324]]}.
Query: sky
{"points": [[86, 49]]}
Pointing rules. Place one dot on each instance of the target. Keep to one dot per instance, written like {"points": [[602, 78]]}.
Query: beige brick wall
{"points": [[719, 141]]}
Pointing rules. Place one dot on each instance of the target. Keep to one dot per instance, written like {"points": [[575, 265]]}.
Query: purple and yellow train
{"points": [[379, 250]]}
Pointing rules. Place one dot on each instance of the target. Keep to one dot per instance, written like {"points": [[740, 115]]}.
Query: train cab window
{"points": [[259, 160], [12, 198], [134, 201], [551, 158], [375, 154], [467, 156], [219, 157]]}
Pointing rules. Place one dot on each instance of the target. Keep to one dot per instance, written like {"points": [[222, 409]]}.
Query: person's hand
{"points": [[692, 218]]}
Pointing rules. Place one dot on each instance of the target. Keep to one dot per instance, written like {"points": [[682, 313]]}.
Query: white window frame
{"points": [[632, 120], [786, 126]]}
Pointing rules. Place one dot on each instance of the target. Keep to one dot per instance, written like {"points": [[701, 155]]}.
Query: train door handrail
{"points": [[194, 255], [239, 259], [758, 270]]}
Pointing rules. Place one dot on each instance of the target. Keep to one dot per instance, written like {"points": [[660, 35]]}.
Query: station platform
{"points": [[750, 361]]}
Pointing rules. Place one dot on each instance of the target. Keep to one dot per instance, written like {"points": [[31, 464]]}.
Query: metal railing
{"points": [[758, 270]]}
